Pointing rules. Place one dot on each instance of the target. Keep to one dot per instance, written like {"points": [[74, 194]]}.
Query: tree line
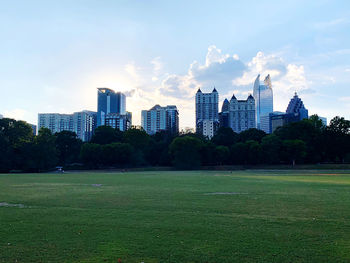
{"points": [[307, 142]]}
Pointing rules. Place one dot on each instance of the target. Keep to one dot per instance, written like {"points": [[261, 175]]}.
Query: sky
{"points": [[54, 54]]}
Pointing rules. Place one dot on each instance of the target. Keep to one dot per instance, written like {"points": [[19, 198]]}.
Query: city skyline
{"points": [[55, 55]]}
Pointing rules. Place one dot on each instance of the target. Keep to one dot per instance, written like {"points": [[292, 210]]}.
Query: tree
{"points": [[339, 125], [186, 152], [68, 147], [5, 154], [254, 153], [306, 131], [106, 135], [91, 154], [225, 136], [222, 154], [293, 150], [271, 147], [337, 139], [239, 153], [116, 153], [251, 134], [44, 150]]}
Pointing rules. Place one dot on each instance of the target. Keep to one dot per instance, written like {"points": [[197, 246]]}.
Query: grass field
{"points": [[244, 216]]}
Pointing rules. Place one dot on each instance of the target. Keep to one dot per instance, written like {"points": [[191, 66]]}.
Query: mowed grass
{"points": [[195, 216]]}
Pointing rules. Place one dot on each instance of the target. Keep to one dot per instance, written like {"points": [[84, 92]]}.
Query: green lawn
{"points": [[244, 216]]}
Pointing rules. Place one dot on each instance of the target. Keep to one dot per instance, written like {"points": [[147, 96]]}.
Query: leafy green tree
{"points": [[225, 136], [271, 147], [251, 135], [339, 126], [186, 152], [239, 153], [337, 139], [308, 132], [293, 150], [68, 147], [222, 154], [44, 150], [5, 154], [116, 154], [254, 153], [91, 154], [106, 135]]}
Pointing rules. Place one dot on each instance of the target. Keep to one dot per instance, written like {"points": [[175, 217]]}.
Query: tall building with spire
{"points": [[207, 112], [296, 111], [263, 96], [296, 106]]}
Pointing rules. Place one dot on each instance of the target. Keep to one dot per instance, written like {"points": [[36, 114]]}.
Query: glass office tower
{"points": [[109, 101], [263, 96]]}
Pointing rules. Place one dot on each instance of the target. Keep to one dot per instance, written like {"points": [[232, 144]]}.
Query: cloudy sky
{"points": [[54, 54]]}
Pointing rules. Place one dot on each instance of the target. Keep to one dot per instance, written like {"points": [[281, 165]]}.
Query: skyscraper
{"points": [[296, 111], [55, 122], [160, 119], [118, 121], [224, 114], [263, 96], [296, 105], [109, 101], [207, 107], [83, 123], [241, 114]]}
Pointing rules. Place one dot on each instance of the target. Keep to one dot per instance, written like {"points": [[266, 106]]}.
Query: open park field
{"points": [[194, 216]]}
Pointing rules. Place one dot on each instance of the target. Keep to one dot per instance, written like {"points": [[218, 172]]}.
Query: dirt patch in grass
{"points": [[226, 193], [4, 204]]}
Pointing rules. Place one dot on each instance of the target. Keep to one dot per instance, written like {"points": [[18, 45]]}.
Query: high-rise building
{"points": [[33, 128], [241, 114], [55, 122], [82, 123], [118, 121], [1, 116], [324, 120], [224, 114], [296, 111], [207, 107], [263, 96], [296, 105], [109, 101], [266, 121], [160, 119]]}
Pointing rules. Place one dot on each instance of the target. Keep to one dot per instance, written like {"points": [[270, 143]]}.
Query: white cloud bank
{"points": [[225, 72]]}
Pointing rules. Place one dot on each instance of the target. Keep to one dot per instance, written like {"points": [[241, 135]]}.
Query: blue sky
{"points": [[53, 54]]}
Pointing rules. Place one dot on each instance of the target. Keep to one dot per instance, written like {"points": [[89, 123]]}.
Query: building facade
{"points": [[207, 109], [109, 101], [296, 105], [241, 114], [160, 119], [82, 123], [295, 112], [224, 114], [263, 96], [118, 121]]}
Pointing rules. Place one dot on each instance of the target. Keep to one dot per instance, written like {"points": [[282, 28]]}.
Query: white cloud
{"points": [[224, 71]]}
